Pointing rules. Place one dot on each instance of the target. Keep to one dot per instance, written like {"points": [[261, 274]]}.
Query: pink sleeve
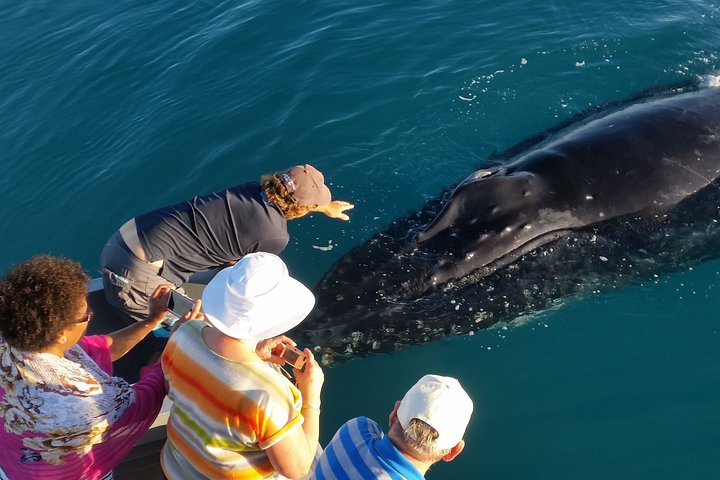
{"points": [[127, 430], [97, 348], [139, 415]]}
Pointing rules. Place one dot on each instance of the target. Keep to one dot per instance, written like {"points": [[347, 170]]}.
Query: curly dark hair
{"points": [[38, 298], [278, 194]]}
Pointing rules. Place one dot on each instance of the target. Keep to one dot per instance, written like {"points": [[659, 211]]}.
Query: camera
{"points": [[177, 304], [292, 356]]}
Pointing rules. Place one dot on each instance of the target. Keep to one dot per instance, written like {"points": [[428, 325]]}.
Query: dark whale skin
{"points": [[617, 199]]}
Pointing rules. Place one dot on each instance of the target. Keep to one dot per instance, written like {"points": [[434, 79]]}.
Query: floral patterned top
{"points": [[69, 418]]}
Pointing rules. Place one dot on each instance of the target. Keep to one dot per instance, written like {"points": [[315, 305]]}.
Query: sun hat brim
{"points": [[267, 316]]}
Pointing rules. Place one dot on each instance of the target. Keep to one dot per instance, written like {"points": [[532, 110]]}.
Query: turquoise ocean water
{"points": [[109, 109]]}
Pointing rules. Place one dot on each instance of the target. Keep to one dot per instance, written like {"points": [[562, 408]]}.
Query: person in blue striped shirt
{"points": [[426, 426]]}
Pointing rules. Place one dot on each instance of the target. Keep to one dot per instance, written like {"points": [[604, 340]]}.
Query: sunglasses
{"points": [[85, 318]]}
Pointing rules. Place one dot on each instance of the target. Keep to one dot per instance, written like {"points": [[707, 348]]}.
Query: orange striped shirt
{"points": [[225, 413]]}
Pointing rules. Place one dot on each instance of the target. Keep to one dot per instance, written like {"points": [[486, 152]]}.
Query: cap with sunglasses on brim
{"points": [[305, 185]]}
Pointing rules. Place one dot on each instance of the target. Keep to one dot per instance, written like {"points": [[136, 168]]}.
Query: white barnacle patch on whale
{"points": [[481, 317], [557, 218]]}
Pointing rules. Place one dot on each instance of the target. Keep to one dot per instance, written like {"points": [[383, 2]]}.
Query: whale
{"points": [[627, 194]]}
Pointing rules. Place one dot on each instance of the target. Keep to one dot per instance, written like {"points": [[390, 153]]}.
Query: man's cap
{"points": [[441, 403], [306, 185], [256, 298]]}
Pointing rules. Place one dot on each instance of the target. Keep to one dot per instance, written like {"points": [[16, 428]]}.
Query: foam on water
{"points": [[711, 81]]}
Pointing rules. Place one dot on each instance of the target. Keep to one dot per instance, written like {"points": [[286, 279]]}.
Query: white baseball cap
{"points": [[441, 403], [256, 298]]}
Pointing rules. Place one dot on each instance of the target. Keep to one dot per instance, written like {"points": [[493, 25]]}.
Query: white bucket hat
{"points": [[256, 298], [441, 403]]}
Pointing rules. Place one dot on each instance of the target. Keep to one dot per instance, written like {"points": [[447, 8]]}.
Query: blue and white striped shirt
{"points": [[359, 449]]}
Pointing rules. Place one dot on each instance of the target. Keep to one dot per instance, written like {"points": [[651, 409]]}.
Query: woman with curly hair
{"points": [[209, 232], [62, 413]]}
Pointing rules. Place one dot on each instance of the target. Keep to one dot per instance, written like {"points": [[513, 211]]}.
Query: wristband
{"points": [[307, 406]]}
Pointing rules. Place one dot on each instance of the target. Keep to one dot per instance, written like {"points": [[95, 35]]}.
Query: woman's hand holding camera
{"points": [[310, 381], [271, 349], [157, 304]]}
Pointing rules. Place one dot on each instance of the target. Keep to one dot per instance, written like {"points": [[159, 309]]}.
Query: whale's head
{"points": [[390, 286], [486, 249]]}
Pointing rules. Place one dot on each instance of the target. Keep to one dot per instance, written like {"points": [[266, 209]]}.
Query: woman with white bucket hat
{"points": [[235, 415]]}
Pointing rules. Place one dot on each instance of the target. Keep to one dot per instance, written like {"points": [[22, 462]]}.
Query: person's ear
{"points": [[454, 451], [61, 338], [393, 415]]}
